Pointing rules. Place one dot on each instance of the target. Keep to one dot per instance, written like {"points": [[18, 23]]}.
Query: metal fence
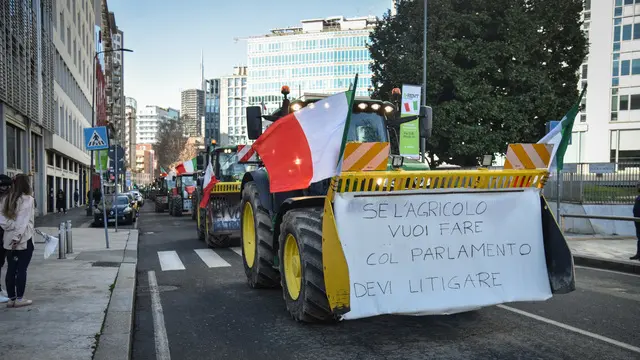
{"points": [[594, 183]]}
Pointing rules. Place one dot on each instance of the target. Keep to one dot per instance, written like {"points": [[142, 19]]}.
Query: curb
{"points": [[631, 267], [116, 336]]}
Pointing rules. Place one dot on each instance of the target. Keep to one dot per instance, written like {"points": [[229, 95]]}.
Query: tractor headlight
{"points": [[388, 108], [296, 107], [362, 106], [397, 161], [375, 107]]}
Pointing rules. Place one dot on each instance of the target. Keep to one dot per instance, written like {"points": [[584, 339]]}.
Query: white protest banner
{"points": [[441, 252]]}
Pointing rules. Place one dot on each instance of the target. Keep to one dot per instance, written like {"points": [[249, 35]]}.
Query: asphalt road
{"points": [[208, 312]]}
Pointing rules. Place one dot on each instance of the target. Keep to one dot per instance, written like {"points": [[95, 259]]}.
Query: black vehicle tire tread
{"points": [[262, 274]]}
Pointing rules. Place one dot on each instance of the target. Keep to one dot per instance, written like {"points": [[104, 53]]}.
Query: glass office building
{"points": [[320, 56]]}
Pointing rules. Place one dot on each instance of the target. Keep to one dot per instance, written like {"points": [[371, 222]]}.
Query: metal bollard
{"points": [[69, 238], [61, 241]]}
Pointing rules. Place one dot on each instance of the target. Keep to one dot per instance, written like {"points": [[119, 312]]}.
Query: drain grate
{"points": [[106, 264]]}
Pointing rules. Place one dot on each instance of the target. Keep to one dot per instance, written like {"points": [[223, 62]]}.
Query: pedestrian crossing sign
{"points": [[96, 138]]}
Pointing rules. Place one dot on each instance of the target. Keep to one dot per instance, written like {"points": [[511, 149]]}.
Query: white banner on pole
{"points": [[441, 252]]}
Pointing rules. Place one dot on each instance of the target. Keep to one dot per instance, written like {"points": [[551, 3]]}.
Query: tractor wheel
{"points": [[301, 266], [200, 225], [194, 203], [159, 207], [257, 248], [177, 207]]}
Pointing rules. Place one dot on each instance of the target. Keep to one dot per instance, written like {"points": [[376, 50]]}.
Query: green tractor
{"points": [[218, 224], [309, 241]]}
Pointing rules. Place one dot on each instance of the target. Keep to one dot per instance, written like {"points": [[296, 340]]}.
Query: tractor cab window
{"points": [[188, 181], [367, 127], [230, 170]]}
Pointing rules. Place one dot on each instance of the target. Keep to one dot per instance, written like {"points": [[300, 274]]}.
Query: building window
{"points": [[635, 67], [626, 32], [584, 71], [616, 69], [14, 147], [624, 102], [583, 117], [625, 67], [634, 103]]}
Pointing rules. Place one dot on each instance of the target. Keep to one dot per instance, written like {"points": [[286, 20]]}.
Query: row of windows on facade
{"points": [[69, 127], [318, 70], [625, 67], [87, 42], [16, 152], [236, 82], [237, 91], [314, 85], [292, 44], [236, 111], [310, 58], [70, 86]]}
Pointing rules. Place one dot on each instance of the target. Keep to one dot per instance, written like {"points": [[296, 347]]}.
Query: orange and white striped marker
{"points": [[528, 156], [372, 156], [246, 153]]}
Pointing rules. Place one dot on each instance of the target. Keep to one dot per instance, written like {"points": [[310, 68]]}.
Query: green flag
{"points": [[560, 135]]}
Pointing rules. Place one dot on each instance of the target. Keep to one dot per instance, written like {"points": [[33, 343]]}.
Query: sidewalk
{"points": [[73, 298], [78, 217], [611, 253]]}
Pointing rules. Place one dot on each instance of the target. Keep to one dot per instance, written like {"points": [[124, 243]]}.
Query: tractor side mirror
{"points": [[254, 122], [426, 121]]}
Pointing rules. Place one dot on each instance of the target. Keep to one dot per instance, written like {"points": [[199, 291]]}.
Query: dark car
{"points": [[123, 210]]}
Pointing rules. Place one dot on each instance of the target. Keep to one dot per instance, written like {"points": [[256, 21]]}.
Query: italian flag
{"points": [[209, 182], [305, 146], [188, 166], [560, 135]]}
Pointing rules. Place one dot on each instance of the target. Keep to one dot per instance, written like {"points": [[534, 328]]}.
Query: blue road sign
{"points": [[96, 138]]}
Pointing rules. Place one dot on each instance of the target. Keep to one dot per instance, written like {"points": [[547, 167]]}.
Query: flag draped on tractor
{"points": [[560, 135], [209, 182], [305, 146], [188, 166]]}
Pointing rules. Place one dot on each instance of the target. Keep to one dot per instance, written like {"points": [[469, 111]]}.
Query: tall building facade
{"points": [[131, 107], [173, 114], [212, 111], [144, 168], [148, 119], [192, 109], [233, 102], [67, 158], [27, 123], [609, 128], [320, 55], [118, 104]]}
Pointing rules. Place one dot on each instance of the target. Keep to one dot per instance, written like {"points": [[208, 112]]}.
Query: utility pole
{"points": [[423, 141]]}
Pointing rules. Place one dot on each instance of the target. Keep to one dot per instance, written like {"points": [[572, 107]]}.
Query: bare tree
{"points": [[171, 143]]}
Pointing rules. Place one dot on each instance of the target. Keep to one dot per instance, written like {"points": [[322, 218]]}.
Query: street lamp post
{"points": [[93, 119]]}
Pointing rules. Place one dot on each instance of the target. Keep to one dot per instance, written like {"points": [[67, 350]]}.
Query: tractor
{"points": [[218, 224], [358, 244], [162, 185], [180, 199]]}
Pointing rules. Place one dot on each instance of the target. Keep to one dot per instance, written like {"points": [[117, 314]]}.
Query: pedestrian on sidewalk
{"points": [[5, 186], [18, 209], [61, 203], [636, 213], [76, 197]]}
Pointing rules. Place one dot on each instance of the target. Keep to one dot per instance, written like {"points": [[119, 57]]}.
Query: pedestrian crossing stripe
{"points": [[96, 140], [170, 260], [372, 156], [246, 153], [528, 156]]}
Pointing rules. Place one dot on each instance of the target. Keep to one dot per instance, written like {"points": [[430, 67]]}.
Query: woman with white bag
{"points": [[19, 212]]}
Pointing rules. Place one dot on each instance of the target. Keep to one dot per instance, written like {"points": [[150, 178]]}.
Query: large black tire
{"points": [[262, 273], [201, 229], [177, 207], [195, 203], [159, 207], [312, 304]]}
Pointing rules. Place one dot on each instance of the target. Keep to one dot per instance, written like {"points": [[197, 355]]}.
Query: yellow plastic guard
{"points": [[370, 156], [528, 156], [415, 180], [226, 187]]}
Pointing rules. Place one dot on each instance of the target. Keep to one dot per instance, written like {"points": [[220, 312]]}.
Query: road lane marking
{"points": [[571, 328], [169, 260], [211, 258], [237, 250], [605, 270], [159, 329]]}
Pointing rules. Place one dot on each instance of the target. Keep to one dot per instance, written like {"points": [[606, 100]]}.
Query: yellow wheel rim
{"points": [[292, 267], [248, 235], [198, 217]]}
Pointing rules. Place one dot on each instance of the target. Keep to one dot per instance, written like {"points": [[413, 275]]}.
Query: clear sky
{"points": [[167, 37]]}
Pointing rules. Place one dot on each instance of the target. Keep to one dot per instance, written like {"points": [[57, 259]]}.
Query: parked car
{"points": [[122, 210], [138, 196]]}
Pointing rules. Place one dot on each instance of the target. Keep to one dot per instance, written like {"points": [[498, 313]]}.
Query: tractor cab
{"points": [[227, 165], [182, 191]]}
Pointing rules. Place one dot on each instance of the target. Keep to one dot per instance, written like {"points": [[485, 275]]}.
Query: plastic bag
{"points": [[50, 243]]}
